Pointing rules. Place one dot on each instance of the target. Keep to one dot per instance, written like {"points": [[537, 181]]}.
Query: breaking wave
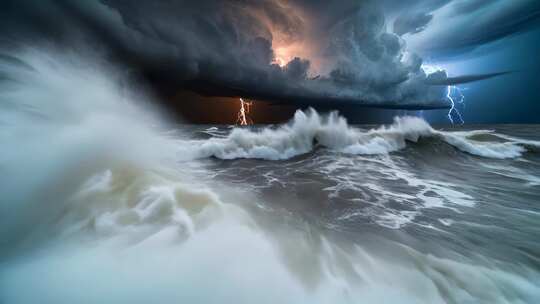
{"points": [[96, 208], [309, 129]]}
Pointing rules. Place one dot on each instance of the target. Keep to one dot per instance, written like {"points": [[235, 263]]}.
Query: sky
{"points": [[371, 60]]}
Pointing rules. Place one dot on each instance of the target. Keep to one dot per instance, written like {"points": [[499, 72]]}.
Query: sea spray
{"points": [[310, 129], [98, 206]]}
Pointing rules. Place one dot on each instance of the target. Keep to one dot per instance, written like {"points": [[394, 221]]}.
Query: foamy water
{"points": [[102, 203], [309, 129]]}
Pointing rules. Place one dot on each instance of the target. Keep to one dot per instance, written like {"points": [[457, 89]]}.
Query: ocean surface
{"points": [[104, 200]]}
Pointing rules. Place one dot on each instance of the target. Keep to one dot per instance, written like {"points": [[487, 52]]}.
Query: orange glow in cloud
{"points": [[282, 55], [299, 38], [304, 47], [284, 52], [292, 40]]}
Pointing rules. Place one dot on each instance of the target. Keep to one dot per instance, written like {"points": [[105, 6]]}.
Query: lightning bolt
{"points": [[449, 95], [243, 119], [453, 94]]}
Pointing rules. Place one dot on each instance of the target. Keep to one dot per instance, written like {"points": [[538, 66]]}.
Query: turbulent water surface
{"points": [[103, 202]]}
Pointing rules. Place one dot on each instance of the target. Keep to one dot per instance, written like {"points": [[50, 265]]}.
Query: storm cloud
{"points": [[293, 52], [411, 23], [458, 26]]}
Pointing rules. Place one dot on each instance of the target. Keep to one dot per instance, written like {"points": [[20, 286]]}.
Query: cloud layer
{"points": [[447, 27], [295, 52]]}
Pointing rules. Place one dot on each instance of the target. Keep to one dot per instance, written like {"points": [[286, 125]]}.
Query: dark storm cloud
{"points": [[433, 79], [411, 23], [461, 25], [341, 52], [297, 68], [470, 6], [396, 7]]}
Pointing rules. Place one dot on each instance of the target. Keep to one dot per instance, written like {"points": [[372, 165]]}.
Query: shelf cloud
{"points": [[286, 52]]}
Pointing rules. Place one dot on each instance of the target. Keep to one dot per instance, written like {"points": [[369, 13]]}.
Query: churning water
{"points": [[101, 201]]}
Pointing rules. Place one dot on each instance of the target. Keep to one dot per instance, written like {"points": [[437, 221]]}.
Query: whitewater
{"points": [[308, 130], [104, 199]]}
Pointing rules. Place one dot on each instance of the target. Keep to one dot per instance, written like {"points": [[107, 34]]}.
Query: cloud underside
{"points": [[455, 27], [284, 52]]}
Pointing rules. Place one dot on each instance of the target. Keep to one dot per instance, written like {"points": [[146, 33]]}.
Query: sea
{"points": [[103, 199]]}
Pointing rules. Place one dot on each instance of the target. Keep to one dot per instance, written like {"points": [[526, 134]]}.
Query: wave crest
{"points": [[310, 129]]}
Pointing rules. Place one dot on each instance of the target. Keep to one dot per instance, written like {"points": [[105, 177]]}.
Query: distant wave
{"points": [[309, 129]]}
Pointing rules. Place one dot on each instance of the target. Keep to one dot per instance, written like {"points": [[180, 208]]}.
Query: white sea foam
{"points": [[368, 180], [308, 129]]}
